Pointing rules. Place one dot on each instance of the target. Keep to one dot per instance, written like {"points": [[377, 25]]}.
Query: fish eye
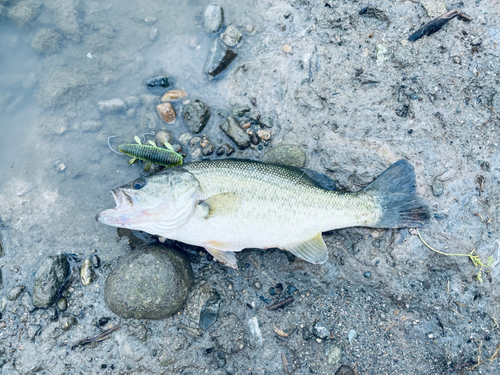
{"points": [[139, 183]]}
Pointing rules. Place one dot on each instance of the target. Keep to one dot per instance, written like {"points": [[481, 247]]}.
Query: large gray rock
{"points": [[196, 116], [151, 283], [232, 128], [290, 155], [219, 58], [49, 278], [214, 18]]}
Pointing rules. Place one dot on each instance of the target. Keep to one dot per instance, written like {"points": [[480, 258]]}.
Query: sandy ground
{"points": [[351, 91]]}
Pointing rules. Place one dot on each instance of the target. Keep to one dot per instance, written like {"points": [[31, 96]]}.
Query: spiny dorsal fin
{"points": [[220, 204], [313, 250]]}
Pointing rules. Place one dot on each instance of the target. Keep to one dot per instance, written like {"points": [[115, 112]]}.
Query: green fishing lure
{"points": [[151, 153]]}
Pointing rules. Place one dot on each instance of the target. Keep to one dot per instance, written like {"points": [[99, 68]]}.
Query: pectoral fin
{"points": [[220, 204], [313, 250], [226, 257]]}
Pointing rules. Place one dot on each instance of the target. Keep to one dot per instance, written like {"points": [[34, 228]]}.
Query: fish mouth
{"points": [[121, 215]]}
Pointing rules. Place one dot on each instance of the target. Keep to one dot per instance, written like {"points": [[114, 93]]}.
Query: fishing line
{"points": [[109, 144], [144, 136]]}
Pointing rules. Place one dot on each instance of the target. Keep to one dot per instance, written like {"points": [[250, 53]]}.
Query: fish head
{"points": [[153, 204]]}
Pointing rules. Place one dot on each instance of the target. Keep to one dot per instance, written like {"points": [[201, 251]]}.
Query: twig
{"points": [[285, 363], [98, 338], [479, 362], [281, 304], [437, 23]]}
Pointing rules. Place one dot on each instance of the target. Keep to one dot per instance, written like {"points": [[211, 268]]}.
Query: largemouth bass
{"points": [[228, 205]]}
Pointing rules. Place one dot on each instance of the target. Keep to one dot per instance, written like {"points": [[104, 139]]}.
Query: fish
{"points": [[229, 205]]}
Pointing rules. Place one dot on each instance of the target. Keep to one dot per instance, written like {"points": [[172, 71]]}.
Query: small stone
{"points": [[152, 283], [272, 291], [229, 150], [103, 321], [214, 18], [265, 135], [264, 299], [234, 131], [240, 111], [196, 116], [291, 289], [289, 155], [345, 370], [24, 12], [266, 122], [231, 36], [204, 142], [433, 8], [174, 96], [87, 274], [194, 141], [113, 105], [287, 48], [130, 113], [51, 275], [457, 59], [157, 82], [62, 304], [203, 307], [138, 331], [306, 334], [196, 154], [33, 331], [255, 139], [257, 284], [255, 116], [209, 150], [150, 20], [249, 28], [162, 137], [15, 292], [46, 41], [333, 355], [219, 58], [367, 274], [437, 187], [221, 151], [166, 112], [52, 314], [153, 34], [67, 322], [321, 331], [382, 53], [177, 147], [246, 125], [185, 138], [413, 96]]}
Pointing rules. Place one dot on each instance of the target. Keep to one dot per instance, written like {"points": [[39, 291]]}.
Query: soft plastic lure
{"points": [[151, 153]]}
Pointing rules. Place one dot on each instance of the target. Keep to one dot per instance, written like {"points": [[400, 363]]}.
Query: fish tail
{"points": [[396, 195]]}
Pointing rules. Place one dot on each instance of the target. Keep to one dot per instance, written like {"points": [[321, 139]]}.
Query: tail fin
{"points": [[395, 192]]}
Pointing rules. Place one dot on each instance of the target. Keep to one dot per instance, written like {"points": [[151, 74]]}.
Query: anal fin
{"points": [[313, 250], [226, 257]]}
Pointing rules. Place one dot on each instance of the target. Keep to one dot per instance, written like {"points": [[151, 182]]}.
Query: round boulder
{"points": [[151, 283]]}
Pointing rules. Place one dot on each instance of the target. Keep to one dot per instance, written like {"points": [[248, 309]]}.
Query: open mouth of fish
{"points": [[122, 213]]}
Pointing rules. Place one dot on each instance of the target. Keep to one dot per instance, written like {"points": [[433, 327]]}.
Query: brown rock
{"points": [[166, 112]]}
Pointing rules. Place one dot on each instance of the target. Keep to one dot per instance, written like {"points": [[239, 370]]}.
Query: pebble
{"points": [[265, 121], [209, 150], [174, 96], [158, 81], [221, 151], [240, 111], [457, 59], [162, 137], [103, 321], [272, 291], [290, 289], [62, 304], [204, 142], [113, 105], [15, 292], [234, 131], [333, 355], [246, 125], [51, 275], [166, 112], [67, 322], [289, 155], [265, 135], [437, 187], [255, 139], [265, 300], [194, 141], [345, 370], [196, 116], [219, 58], [185, 138], [231, 36], [87, 274], [367, 274], [229, 150], [196, 154], [46, 41], [257, 284], [382, 53], [306, 334], [203, 307], [150, 20], [321, 331], [33, 331], [249, 28], [214, 18], [152, 283], [177, 147], [287, 48], [153, 34]]}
